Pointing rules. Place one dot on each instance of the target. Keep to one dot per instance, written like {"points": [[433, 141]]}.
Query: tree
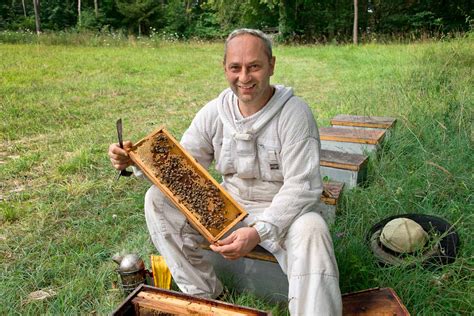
{"points": [[287, 19], [356, 19], [297, 20], [24, 7], [79, 22], [36, 5], [138, 12]]}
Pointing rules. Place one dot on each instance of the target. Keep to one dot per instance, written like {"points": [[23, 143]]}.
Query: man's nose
{"points": [[244, 75]]}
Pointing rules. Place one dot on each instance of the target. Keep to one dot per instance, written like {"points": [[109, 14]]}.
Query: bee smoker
{"points": [[131, 270]]}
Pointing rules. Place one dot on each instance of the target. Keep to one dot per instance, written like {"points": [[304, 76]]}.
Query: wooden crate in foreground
{"points": [[204, 202], [371, 302], [148, 300]]}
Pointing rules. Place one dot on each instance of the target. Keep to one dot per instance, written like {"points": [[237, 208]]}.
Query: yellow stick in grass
{"points": [[161, 273]]}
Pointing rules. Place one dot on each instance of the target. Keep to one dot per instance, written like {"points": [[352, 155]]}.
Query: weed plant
{"points": [[63, 215]]}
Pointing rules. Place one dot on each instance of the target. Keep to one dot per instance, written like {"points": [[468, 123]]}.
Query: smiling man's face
{"points": [[248, 70]]}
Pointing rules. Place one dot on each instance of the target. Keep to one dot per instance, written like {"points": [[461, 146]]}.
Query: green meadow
{"points": [[63, 215]]}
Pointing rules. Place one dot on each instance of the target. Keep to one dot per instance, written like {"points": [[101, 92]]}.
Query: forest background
{"points": [[303, 21]]}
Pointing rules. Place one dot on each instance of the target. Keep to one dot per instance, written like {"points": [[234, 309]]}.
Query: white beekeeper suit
{"points": [[270, 166]]}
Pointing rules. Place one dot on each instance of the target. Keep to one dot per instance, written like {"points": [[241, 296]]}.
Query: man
{"points": [[265, 143]]}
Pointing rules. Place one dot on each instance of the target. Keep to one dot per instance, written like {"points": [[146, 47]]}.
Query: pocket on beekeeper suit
{"points": [[269, 160], [225, 163], [246, 161]]}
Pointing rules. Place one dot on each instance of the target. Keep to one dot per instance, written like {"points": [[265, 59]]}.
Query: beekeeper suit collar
{"points": [[245, 138]]}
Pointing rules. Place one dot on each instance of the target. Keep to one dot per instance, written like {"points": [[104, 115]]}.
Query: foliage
{"points": [[207, 27], [88, 20], [296, 20], [248, 13], [139, 13]]}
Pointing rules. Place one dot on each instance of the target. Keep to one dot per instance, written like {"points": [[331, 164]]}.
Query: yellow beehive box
{"points": [[204, 202]]}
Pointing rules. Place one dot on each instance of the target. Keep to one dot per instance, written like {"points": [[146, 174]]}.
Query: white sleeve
{"points": [[197, 139]]}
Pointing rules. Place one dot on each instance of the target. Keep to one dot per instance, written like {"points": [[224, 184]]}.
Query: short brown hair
{"points": [[257, 33]]}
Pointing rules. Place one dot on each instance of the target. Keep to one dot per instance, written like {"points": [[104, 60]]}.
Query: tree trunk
{"points": [[79, 22], [356, 18], [188, 11], [36, 5], [287, 19], [24, 7], [96, 8]]}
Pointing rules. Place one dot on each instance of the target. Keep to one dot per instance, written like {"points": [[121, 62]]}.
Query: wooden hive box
{"points": [[376, 301], [204, 202], [382, 122], [148, 300]]}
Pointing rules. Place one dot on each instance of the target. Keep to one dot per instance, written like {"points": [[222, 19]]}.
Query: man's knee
{"points": [[158, 207], [310, 224], [154, 199], [310, 246]]}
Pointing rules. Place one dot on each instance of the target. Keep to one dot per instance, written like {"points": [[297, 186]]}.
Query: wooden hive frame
{"points": [[141, 155], [148, 300]]}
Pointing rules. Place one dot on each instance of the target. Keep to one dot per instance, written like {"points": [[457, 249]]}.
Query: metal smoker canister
{"points": [[131, 270]]}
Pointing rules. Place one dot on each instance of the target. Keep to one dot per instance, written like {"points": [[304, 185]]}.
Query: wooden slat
{"points": [[340, 160], [361, 136], [383, 301], [258, 253], [180, 306], [363, 121], [148, 300], [331, 192]]}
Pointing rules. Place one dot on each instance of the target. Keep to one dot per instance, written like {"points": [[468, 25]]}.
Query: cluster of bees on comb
{"points": [[203, 199]]}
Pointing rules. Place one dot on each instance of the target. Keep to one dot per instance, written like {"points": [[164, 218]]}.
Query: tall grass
{"points": [[63, 216], [103, 38], [425, 168]]}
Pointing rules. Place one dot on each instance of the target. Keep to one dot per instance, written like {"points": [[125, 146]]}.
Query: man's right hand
{"points": [[119, 157]]}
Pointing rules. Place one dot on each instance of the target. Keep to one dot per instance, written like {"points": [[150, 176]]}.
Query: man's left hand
{"points": [[238, 244]]}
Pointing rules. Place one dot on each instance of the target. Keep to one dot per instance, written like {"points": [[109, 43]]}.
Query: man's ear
{"points": [[272, 65]]}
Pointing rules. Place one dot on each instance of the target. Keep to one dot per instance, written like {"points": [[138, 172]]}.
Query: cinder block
{"points": [[262, 277]]}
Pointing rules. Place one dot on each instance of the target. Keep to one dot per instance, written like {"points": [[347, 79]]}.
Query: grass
{"points": [[63, 216]]}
